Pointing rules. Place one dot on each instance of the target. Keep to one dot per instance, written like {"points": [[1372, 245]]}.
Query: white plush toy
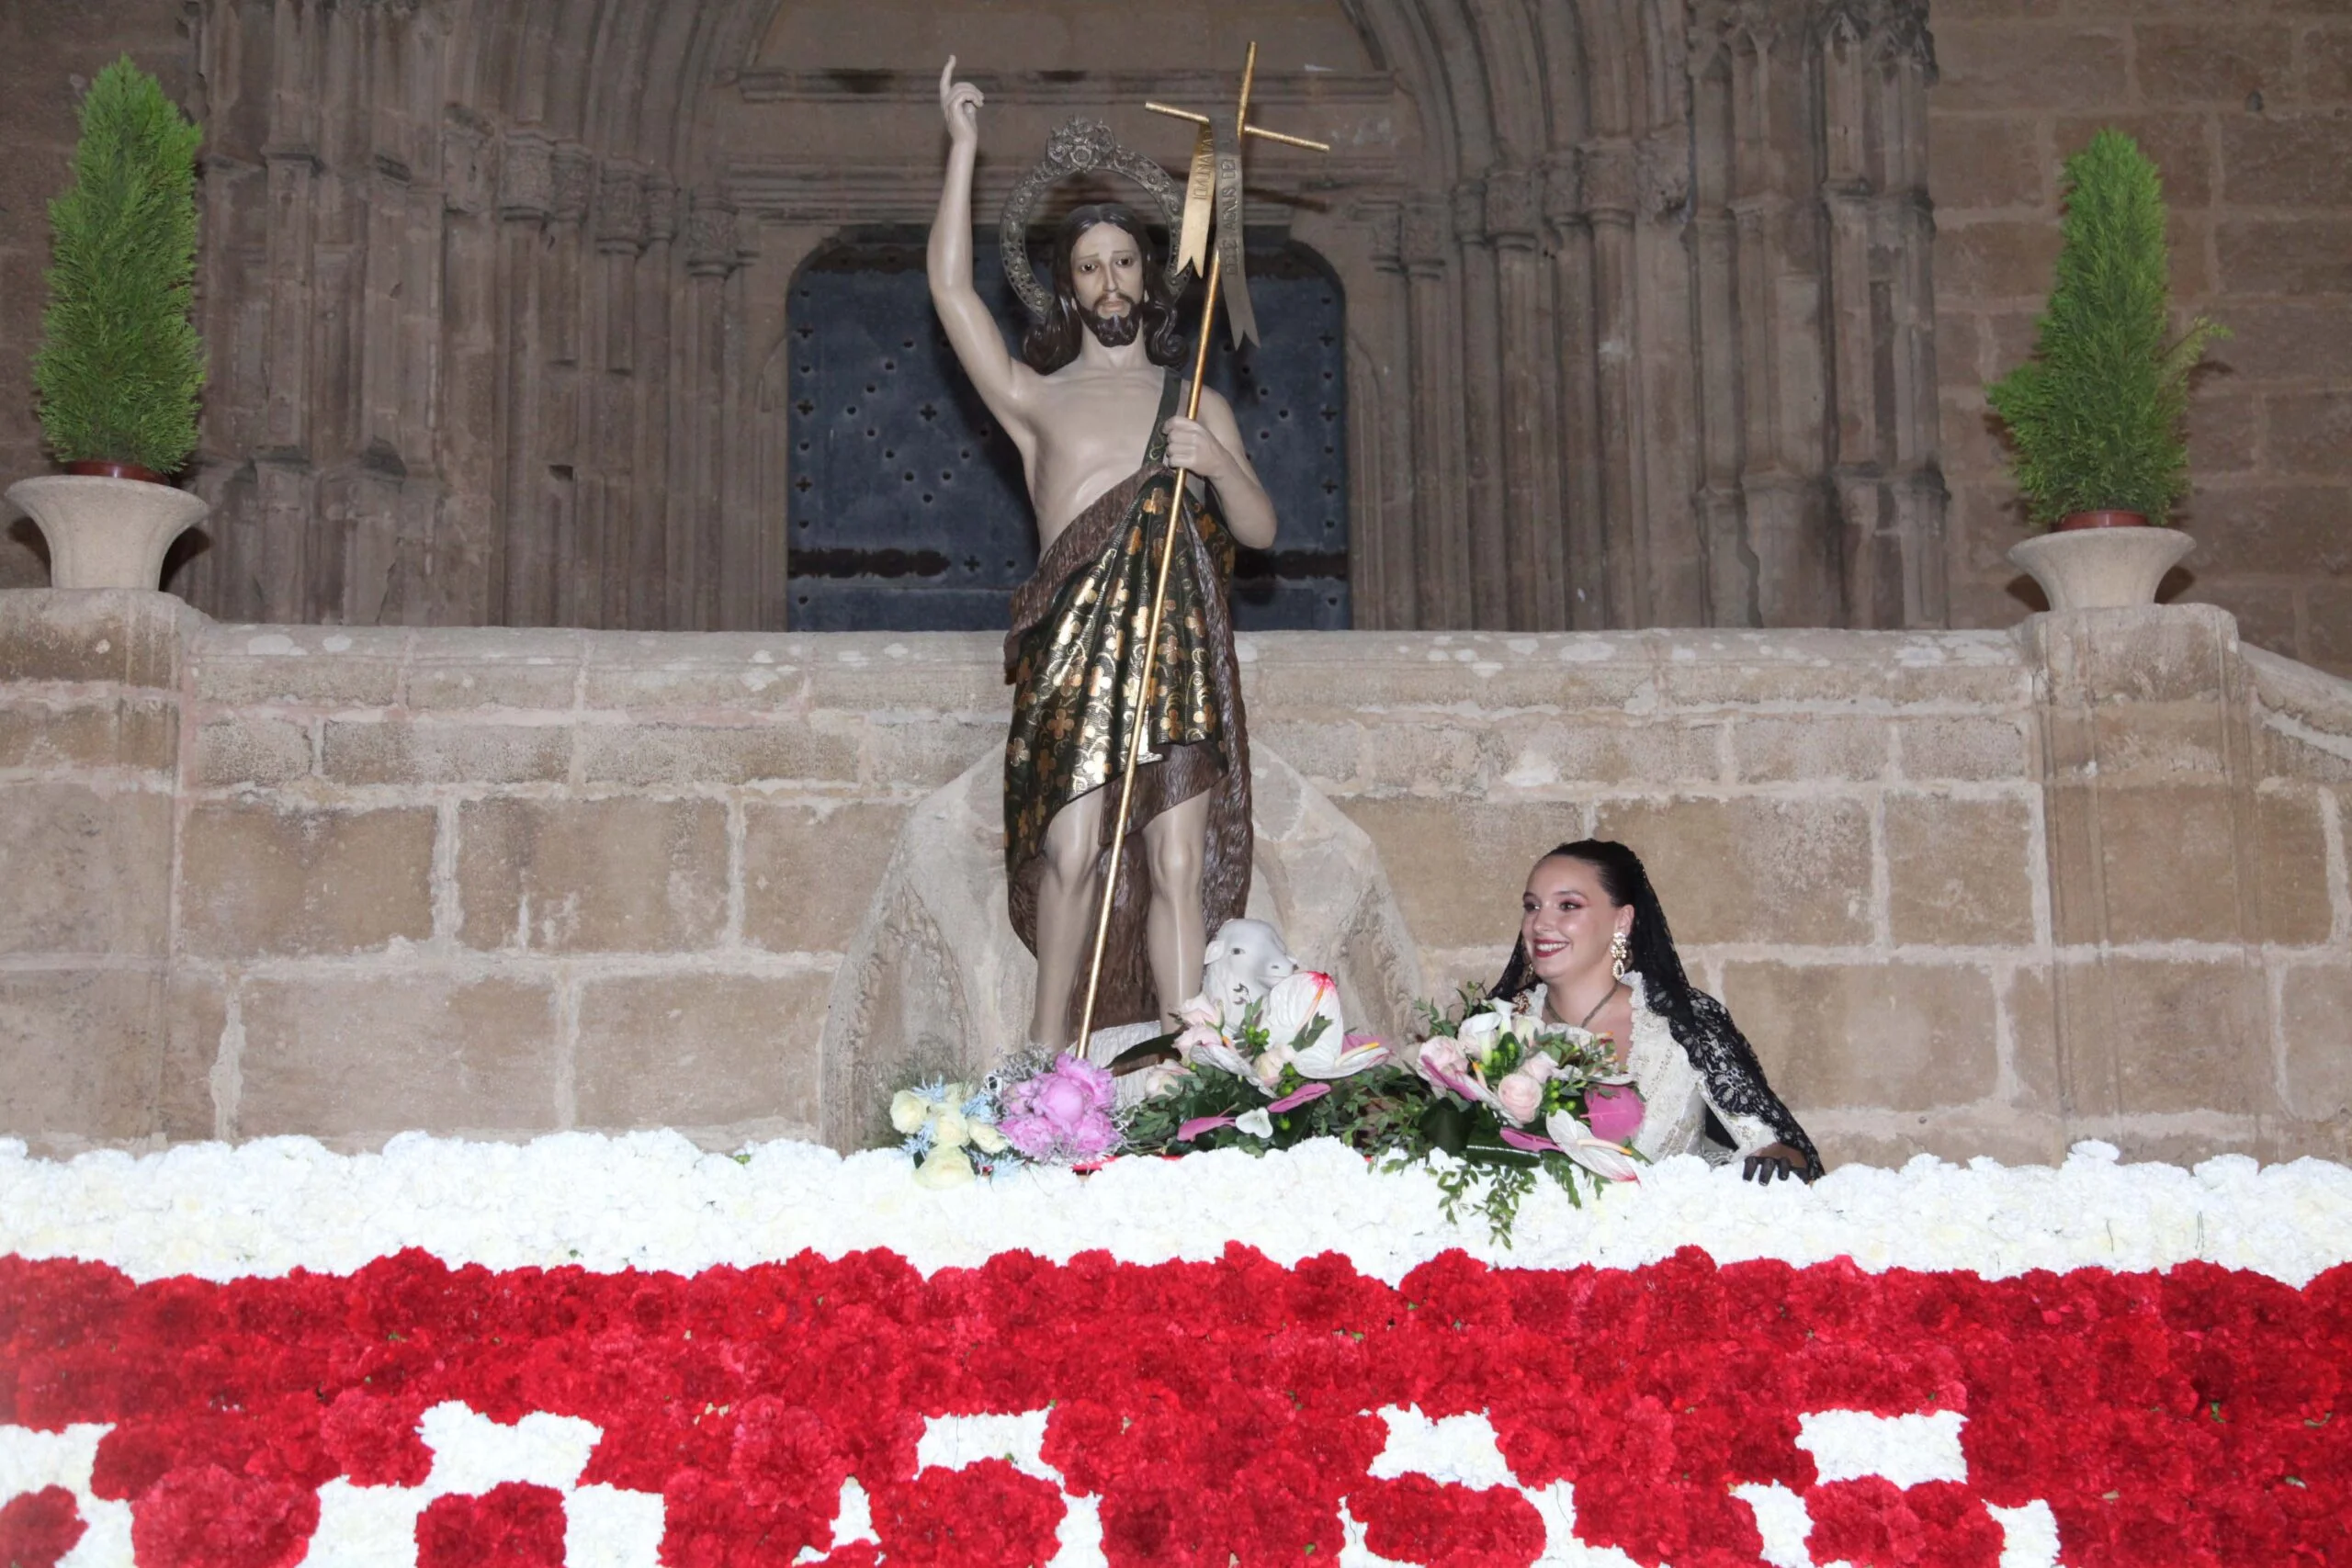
{"points": [[1244, 960]]}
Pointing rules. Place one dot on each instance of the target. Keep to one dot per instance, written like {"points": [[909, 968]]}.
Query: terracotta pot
{"points": [[103, 532], [109, 469], [2105, 517], [2102, 568]]}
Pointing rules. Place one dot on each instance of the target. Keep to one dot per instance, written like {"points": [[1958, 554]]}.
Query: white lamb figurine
{"points": [[1244, 960]]}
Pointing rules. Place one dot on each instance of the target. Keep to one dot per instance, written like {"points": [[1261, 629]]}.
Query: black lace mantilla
{"points": [[1734, 1079]]}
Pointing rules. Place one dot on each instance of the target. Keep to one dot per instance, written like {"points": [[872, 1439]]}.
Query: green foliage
{"points": [[121, 364], [2095, 416]]}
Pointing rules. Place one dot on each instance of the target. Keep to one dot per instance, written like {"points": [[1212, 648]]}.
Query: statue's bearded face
{"points": [[1106, 279]]}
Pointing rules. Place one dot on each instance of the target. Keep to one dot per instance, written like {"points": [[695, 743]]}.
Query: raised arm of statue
{"points": [[1001, 382]]}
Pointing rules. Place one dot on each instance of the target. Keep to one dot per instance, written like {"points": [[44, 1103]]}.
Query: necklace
{"points": [[1605, 996]]}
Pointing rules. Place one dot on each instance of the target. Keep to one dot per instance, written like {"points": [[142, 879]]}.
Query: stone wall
{"points": [[1968, 892], [2247, 107]]}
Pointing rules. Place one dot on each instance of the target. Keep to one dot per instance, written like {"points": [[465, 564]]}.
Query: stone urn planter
{"points": [[106, 532], [2101, 560]]}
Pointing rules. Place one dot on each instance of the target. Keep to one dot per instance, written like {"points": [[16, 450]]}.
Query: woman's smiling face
{"points": [[1567, 921]]}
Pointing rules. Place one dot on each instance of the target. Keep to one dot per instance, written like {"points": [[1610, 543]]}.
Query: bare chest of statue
{"points": [[1091, 428]]}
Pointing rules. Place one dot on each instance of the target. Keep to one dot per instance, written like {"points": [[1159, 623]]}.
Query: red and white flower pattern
{"points": [[1083, 1407]]}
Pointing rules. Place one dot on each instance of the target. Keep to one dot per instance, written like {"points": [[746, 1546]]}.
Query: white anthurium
{"points": [[909, 1110], [1257, 1124], [1610, 1161]]}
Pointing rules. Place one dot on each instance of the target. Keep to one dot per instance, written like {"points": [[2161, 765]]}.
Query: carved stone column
{"points": [[575, 541], [1482, 410], [474, 550], [1441, 542], [1608, 204], [649, 542], [609, 497], [1535, 540], [713, 253], [525, 202]]}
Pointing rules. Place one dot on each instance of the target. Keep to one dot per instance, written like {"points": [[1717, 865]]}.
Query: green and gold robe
{"points": [[1074, 659]]}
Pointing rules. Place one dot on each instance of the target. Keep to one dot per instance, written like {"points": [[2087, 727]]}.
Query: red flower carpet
{"points": [[1213, 1414]]}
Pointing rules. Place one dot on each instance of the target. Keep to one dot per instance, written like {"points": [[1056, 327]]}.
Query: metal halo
{"points": [[1077, 148]]}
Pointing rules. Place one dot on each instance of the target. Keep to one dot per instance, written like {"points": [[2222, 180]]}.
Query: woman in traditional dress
{"points": [[1594, 952]]}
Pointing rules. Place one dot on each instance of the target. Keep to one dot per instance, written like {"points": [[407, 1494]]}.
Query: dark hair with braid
{"points": [[1650, 945]]}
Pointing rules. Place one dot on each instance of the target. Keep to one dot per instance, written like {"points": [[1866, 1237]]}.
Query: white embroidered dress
{"points": [[1675, 1095]]}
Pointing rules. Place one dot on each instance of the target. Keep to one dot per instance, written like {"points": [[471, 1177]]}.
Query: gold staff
{"points": [[1220, 175]]}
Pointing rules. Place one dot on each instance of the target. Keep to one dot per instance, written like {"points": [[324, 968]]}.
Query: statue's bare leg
{"points": [[1175, 845], [1067, 902]]}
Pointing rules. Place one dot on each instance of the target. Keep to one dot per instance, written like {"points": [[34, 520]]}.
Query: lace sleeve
{"points": [[1732, 1079]]}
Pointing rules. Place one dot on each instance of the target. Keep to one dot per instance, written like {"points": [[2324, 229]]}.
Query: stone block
{"points": [[131, 732], [2217, 61], [921, 752], [331, 667], [1900, 1036], [593, 875], [88, 869], [2281, 338], [1332, 754], [2220, 429], [2286, 255], [1999, 65], [1319, 675], [1996, 259], [195, 1011], [2178, 145], [1459, 866], [2169, 653], [2291, 160], [1813, 746], [1458, 758], [2031, 1006], [2266, 616], [261, 878], [117, 634], [2160, 743], [79, 1051], [2281, 529], [2327, 75], [1792, 872], [936, 673], [1960, 872], [354, 1058], [750, 671], [809, 872], [1821, 668], [399, 751], [2309, 432], [2167, 868], [1986, 161], [701, 1049], [2315, 1015], [1600, 751], [1932, 749], [678, 756], [2291, 866], [2327, 641], [504, 667], [2155, 1035], [249, 749]]}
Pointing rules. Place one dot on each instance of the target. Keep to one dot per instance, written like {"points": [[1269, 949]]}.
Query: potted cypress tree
{"points": [[120, 363], [2094, 418]]}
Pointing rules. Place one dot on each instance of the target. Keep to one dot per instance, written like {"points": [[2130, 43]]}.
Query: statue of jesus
{"points": [[1093, 413]]}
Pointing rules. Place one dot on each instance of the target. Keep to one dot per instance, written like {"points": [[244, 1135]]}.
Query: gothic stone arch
{"points": [[1640, 301]]}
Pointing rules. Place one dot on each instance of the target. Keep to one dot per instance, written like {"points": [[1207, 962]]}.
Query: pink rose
{"points": [[1520, 1096]]}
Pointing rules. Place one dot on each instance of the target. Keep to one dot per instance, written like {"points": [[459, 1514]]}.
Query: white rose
{"points": [[944, 1167], [949, 1127], [907, 1109], [986, 1138]]}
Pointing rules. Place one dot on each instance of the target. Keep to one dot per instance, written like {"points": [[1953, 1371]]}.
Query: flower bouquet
{"points": [[1271, 1073], [1514, 1094]]}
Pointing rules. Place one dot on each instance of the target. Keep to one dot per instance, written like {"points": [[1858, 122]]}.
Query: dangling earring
{"points": [[1618, 953]]}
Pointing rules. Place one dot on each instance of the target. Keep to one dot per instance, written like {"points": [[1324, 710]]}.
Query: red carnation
{"points": [[1873, 1523], [987, 1515], [511, 1526], [205, 1517], [38, 1527], [1448, 1526]]}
